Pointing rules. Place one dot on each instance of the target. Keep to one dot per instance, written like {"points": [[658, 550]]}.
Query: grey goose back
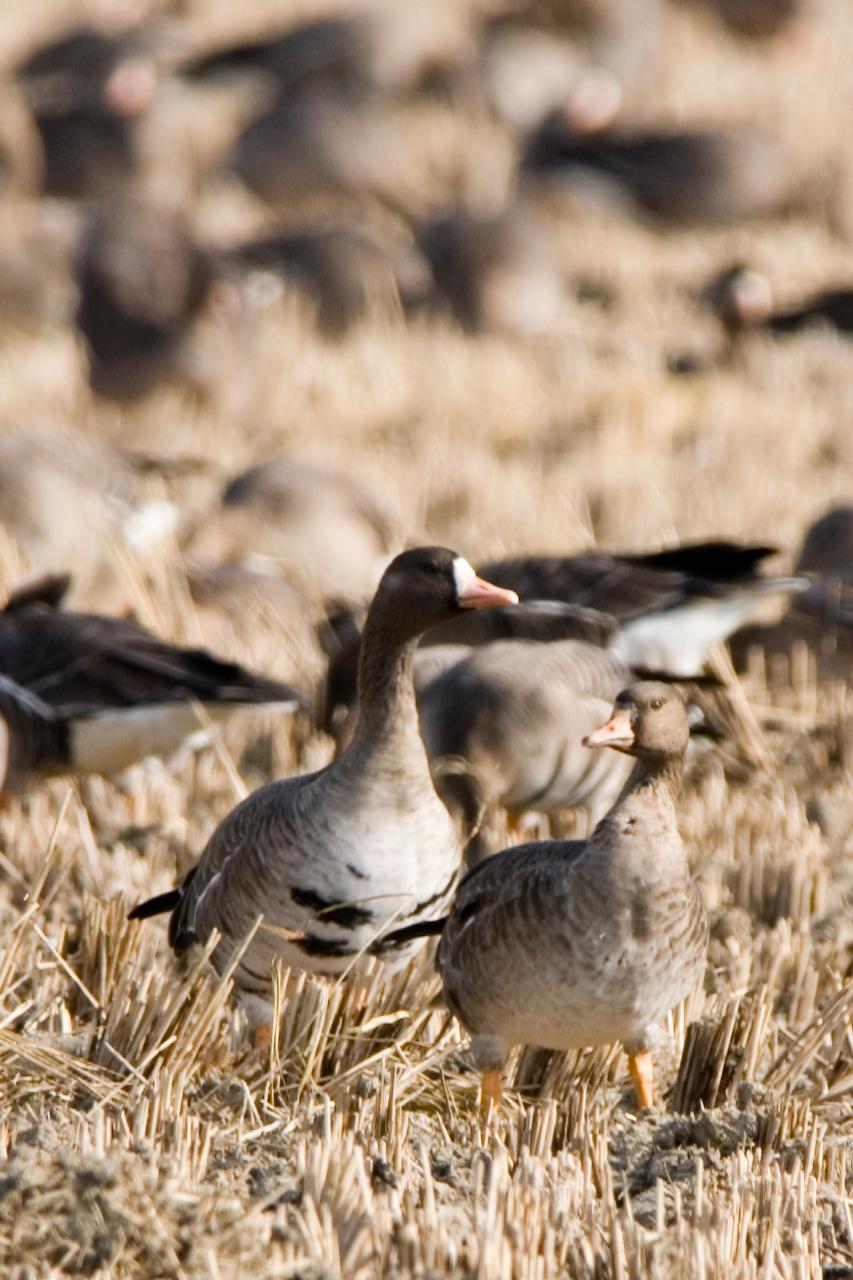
{"points": [[503, 726], [122, 693], [672, 606], [564, 944], [331, 859]]}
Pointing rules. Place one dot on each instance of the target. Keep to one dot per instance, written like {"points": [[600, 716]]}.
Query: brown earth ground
{"points": [[139, 1132]]}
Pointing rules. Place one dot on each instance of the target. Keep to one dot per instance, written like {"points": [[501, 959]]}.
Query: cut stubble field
{"points": [[140, 1132]]}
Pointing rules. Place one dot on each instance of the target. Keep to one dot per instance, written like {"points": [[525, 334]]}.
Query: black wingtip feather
{"points": [[157, 906], [420, 929], [716, 560]]}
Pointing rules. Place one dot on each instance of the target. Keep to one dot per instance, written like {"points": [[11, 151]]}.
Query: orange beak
{"points": [[480, 594], [617, 733]]}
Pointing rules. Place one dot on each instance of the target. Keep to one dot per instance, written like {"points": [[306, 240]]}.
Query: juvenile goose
{"points": [[123, 693], [331, 858], [574, 943]]}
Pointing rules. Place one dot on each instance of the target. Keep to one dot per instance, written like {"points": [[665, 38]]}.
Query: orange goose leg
{"points": [[642, 1069], [491, 1092]]}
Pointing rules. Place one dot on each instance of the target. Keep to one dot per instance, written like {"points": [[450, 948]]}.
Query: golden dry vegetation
{"points": [[140, 1133]]}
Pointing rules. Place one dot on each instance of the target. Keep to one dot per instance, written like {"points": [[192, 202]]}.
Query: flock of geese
{"points": [[548, 682], [324, 123], [555, 688]]}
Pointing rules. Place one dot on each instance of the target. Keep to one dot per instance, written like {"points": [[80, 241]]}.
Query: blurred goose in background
{"points": [[346, 271], [755, 19], [742, 298], [679, 177], [503, 726], [86, 90], [819, 620], [331, 858], [142, 282], [494, 272], [122, 693], [333, 146], [311, 524], [386, 48], [536, 621], [672, 606], [564, 944], [592, 55], [64, 493]]}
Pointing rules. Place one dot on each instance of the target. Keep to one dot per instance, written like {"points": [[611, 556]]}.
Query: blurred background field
{"points": [[551, 381]]}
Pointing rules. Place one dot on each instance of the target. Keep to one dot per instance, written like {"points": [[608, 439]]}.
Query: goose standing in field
{"points": [[331, 858], [564, 944], [121, 693]]}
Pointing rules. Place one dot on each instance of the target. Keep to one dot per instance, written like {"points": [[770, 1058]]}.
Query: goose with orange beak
{"points": [[331, 859], [564, 944]]}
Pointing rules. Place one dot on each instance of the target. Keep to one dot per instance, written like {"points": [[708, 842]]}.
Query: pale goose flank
{"points": [[330, 859], [564, 944]]}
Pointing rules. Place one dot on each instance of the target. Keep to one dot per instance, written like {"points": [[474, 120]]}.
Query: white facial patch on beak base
{"points": [[463, 575]]}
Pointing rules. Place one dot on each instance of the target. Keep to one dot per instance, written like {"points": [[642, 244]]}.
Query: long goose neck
{"points": [[387, 712], [642, 826]]}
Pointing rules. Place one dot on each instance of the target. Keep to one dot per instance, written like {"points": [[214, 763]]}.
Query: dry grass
{"points": [[140, 1134]]}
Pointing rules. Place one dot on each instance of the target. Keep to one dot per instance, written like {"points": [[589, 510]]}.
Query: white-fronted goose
{"points": [[494, 272], [503, 726], [564, 944], [142, 283], [86, 90], [126, 693], [673, 606], [310, 523], [534, 620], [330, 859], [388, 49], [819, 619], [678, 177], [61, 490], [755, 19], [324, 146], [344, 270], [742, 298]]}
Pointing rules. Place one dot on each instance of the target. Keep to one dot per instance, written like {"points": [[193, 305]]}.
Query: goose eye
{"points": [[656, 704]]}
